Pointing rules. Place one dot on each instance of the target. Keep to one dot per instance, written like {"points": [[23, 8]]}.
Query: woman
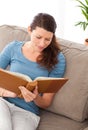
{"points": [[41, 56]]}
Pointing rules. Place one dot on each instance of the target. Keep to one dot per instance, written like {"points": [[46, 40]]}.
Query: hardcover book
{"points": [[12, 80]]}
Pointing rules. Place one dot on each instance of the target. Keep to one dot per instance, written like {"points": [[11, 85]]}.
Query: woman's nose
{"points": [[42, 42]]}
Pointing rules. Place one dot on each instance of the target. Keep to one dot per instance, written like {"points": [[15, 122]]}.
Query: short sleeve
{"points": [[60, 67], [5, 56]]}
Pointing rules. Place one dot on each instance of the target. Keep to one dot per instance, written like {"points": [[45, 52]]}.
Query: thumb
{"points": [[36, 90]]}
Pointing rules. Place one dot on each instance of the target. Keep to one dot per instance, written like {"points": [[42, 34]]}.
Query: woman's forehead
{"points": [[41, 31]]}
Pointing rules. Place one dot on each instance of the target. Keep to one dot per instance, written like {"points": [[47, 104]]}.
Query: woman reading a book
{"points": [[41, 56]]}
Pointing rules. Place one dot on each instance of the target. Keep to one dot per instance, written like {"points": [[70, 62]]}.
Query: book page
{"points": [[48, 78], [23, 76]]}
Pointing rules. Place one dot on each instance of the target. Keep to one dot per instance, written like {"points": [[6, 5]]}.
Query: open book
{"points": [[12, 80]]}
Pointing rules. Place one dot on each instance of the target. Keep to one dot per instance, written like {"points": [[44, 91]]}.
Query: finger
{"points": [[25, 91], [27, 95], [36, 90]]}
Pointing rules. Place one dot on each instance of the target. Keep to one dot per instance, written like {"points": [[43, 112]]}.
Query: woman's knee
{"points": [[5, 126], [3, 106], [5, 116]]}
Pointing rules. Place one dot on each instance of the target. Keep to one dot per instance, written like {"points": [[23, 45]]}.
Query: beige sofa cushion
{"points": [[72, 99], [9, 33], [86, 128]]}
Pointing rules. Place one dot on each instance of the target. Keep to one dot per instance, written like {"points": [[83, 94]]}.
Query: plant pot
{"points": [[86, 42]]}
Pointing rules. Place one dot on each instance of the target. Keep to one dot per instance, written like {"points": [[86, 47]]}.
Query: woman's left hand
{"points": [[28, 95]]}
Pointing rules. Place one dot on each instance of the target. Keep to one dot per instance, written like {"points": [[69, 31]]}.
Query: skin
{"points": [[40, 39]]}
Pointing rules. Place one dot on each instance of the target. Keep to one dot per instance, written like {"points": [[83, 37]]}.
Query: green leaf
{"points": [[82, 4], [86, 2], [84, 9], [78, 23], [85, 14], [82, 25]]}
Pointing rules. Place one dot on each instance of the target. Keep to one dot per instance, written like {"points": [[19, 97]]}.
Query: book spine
{"points": [[31, 85]]}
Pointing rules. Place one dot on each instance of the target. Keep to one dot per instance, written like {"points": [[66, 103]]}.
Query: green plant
{"points": [[84, 10]]}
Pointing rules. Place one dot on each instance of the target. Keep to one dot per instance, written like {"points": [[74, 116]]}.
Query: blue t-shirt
{"points": [[12, 55]]}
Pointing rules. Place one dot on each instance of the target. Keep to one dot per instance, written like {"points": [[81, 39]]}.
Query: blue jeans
{"points": [[15, 118]]}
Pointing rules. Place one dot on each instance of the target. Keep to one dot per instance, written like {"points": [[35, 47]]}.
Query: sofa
{"points": [[69, 109]]}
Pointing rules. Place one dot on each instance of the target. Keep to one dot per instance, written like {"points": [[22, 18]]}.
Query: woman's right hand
{"points": [[6, 93]]}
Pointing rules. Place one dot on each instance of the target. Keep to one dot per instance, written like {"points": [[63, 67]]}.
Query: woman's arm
{"points": [[45, 100], [6, 93], [42, 101]]}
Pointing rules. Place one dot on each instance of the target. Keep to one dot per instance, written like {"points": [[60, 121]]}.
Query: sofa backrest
{"points": [[9, 33], [72, 99]]}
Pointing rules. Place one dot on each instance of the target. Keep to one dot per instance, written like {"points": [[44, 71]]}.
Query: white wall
{"points": [[21, 12]]}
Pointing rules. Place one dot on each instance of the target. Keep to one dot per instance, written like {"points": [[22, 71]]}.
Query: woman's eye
{"points": [[47, 39], [38, 37]]}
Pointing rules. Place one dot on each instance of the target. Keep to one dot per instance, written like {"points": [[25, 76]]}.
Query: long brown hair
{"points": [[48, 57]]}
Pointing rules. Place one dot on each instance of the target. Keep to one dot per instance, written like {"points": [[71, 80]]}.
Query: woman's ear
{"points": [[29, 29]]}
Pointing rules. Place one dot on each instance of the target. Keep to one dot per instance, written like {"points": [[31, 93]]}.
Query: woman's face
{"points": [[40, 39]]}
